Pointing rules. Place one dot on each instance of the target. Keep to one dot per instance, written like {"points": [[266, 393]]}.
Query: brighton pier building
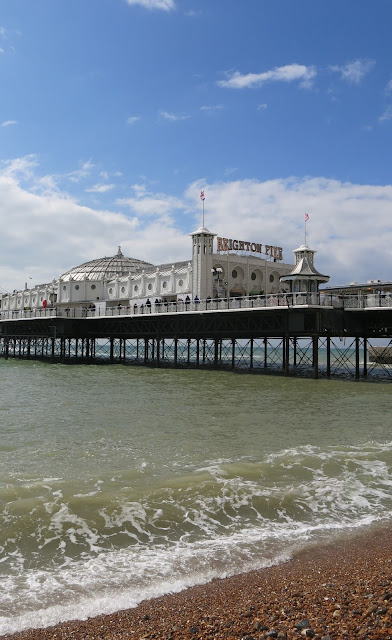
{"points": [[236, 268]]}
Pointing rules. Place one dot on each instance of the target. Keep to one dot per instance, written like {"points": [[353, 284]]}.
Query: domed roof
{"points": [[105, 268]]}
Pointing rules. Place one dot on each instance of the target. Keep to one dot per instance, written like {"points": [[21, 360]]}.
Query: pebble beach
{"points": [[341, 590]]}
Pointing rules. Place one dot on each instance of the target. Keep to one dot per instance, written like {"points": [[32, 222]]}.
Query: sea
{"points": [[121, 483]]}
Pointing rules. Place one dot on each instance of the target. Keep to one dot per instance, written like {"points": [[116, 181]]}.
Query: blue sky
{"points": [[114, 114]]}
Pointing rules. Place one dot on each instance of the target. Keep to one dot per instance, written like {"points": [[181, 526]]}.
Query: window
{"points": [[253, 276], [234, 274], [164, 285], [136, 288], [180, 283], [272, 278], [64, 287], [122, 289], [93, 286], [110, 290], [149, 287], [76, 287]]}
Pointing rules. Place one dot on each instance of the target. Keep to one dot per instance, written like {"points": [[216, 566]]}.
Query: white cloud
{"points": [[261, 107], [9, 123], [45, 234], [132, 119], [166, 5], [344, 225], [288, 73], [18, 168], [387, 115], [173, 117], [100, 188], [388, 88], [146, 203], [354, 71], [211, 108], [83, 172]]}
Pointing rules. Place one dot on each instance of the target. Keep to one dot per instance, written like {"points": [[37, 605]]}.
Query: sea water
{"points": [[124, 483]]}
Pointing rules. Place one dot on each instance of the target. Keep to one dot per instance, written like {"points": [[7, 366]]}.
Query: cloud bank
{"points": [[45, 231]]}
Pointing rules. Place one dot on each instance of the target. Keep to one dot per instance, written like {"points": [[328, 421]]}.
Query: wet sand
{"points": [[342, 590]]}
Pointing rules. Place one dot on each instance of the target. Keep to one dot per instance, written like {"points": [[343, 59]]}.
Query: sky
{"points": [[116, 114]]}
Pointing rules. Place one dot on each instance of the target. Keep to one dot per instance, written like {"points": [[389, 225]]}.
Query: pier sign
{"points": [[227, 244]]}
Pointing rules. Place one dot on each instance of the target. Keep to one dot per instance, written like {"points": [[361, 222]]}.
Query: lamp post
{"points": [[216, 272]]}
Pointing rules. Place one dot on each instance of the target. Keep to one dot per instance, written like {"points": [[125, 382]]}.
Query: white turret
{"points": [[304, 277], [202, 263]]}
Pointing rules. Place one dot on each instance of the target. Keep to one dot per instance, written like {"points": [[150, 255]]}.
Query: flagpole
{"points": [[202, 198], [306, 218]]}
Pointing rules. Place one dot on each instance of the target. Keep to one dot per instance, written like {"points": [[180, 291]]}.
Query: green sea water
{"points": [[122, 483]]}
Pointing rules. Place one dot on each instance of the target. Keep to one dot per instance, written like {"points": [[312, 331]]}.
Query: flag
{"points": [[306, 217], [202, 196]]}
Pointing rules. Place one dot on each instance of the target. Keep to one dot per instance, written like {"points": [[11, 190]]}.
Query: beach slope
{"points": [[342, 590]]}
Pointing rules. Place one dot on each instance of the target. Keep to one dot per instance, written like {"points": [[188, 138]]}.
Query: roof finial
{"points": [[119, 252]]}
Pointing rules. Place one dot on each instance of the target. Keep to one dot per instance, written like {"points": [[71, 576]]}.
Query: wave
{"points": [[72, 550]]}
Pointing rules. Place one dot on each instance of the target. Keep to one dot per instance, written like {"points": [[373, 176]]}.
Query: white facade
{"points": [[117, 280]]}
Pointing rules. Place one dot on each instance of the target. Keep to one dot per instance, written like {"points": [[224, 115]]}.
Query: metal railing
{"points": [[287, 300]]}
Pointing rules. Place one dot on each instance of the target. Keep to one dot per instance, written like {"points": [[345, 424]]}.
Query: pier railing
{"points": [[288, 300]]}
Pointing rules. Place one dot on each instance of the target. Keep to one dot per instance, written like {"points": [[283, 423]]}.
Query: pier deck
{"points": [[306, 335]]}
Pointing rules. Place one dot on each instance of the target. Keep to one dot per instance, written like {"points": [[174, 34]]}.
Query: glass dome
{"points": [[106, 268]]}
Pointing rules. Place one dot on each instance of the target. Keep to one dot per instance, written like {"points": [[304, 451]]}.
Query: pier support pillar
{"points": [[158, 360], [315, 357], [365, 346], [286, 355], [251, 354], [328, 356], [357, 358], [216, 353]]}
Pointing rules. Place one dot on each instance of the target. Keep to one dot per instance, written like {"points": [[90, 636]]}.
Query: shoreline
{"points": [[340, 590]]}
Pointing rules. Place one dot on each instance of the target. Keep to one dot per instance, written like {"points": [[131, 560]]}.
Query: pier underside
{"points": [[309, 342]]}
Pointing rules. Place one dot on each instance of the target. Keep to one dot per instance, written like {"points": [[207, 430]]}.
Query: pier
{"points": [[311, 335]]}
